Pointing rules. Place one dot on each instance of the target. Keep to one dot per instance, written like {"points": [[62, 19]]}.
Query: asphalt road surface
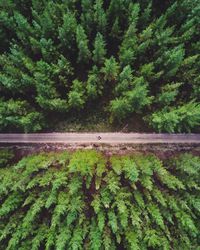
{"points": [[107, 138]]}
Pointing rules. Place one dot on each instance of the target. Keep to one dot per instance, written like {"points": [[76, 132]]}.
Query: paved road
{"points": [[107, 138]]}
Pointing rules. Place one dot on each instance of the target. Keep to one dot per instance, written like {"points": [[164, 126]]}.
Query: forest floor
{"points": [[96, 120]]}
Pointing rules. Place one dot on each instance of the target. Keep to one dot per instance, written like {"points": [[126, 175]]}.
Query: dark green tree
{"points": [[67, 32], [125, 80], [133, 100], [100, 18], [99, 51], [76, 96], [110, 69], [94, 85], [177, 119], [168, 94], [19, 114], [107, 45], [82, 44]]}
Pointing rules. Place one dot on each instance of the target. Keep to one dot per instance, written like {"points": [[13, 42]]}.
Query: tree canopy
{"points": [[124, 58]]}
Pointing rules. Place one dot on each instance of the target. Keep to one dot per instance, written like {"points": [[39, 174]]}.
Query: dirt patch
{"points": [[163, 151]]}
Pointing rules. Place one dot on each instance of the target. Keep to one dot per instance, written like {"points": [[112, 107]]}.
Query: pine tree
{"points": [[46, 45], [76, 95], [47, 95], [120, 108], [172, 60], [67, 33], [94, 85], [125, 80], [20, 115], [110, 69], [99, 51], [132, 101], [82, 44], [168, 94], [100, 16], [116, 31], [182, 118], [87, 16]]}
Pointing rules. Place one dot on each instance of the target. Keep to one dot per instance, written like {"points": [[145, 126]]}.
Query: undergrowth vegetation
{"points": [[86, 200]]}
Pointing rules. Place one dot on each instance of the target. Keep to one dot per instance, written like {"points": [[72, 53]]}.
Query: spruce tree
{"points": [[46, 45], [99, 51], [82, 44], [67, 33], [110, 69], [177, 119], [100, 18]]}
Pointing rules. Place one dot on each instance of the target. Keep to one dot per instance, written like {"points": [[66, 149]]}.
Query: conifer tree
{"points": [[99, 51], [87, 15], [82, 44], [125, 80], [132, 100], [94, 84], [20, 115], [116, 31], [67, 33], [110, 69], [177, 119], [76, 95], [100, 16], [46, 45], [168, 94]]}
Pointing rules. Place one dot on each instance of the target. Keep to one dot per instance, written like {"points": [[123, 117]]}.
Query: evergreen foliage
{"points": [[85, 200], [124, 58], [182, 118]]}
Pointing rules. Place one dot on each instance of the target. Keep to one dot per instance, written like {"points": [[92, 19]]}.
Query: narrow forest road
{"points": [[96, 138]]}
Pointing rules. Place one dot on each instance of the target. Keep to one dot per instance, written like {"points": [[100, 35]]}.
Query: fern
{"points": [[112, 221], [50, 238], [132, 239], [101, 219], [39, 238], [60, 209], [63, 237], [152, 239], [11, 203], [31, 215], [108, 243], [76, 241], [95, 236], [156, 215], [63, 201]]}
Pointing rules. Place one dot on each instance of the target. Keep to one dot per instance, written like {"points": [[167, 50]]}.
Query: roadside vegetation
{"points": [[126, 61], [86, 200]]}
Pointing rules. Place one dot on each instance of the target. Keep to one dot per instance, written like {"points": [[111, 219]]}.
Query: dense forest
{"points": [[122, 60], [86, 200]]}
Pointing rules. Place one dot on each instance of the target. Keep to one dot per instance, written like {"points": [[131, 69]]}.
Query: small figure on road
{"points": [[99, 137]]}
